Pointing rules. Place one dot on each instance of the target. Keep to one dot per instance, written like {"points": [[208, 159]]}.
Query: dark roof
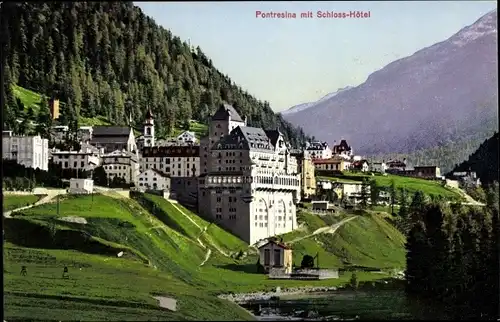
{"points": [[245, 138], [171, 151], [273, 135], [111, 131], [224, 112], [317, 146], [359, 163], [342, 146], [109, 140]]}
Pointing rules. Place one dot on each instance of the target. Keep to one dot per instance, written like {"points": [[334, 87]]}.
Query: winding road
{"points": [[328, 229]]}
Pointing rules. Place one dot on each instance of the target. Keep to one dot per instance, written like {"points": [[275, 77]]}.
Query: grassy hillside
{"points": [[412, 185], [162, 256], [11, 202], [367, 241]]}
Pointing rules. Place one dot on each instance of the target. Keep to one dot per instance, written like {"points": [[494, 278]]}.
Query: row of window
{"points": [[114, 167], [154, 179], [66, 156], [75, 164], [231, 216], [168, 159]]}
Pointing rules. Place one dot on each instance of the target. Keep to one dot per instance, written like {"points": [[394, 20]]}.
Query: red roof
{"points": [[277, 243]]}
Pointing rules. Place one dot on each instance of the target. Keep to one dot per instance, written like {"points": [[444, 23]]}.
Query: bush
{"points": [[260, 267], [307, 262], [353, 282]]}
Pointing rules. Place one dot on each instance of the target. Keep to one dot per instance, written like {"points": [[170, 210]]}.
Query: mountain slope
{"points": [[441, 94], [304, 106], [109, 59]]}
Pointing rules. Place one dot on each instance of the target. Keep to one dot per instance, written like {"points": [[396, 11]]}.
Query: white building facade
{"points": [[81, 186], [30, 151], [121, 164], [252, 185], [154, 180], [318, 150], [87, 159]]}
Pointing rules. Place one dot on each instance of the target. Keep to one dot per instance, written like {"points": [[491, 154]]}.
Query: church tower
{"points": [[149, 129]]}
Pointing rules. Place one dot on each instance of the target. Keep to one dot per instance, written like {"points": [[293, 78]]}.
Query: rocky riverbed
{"points": [[264, 296]]}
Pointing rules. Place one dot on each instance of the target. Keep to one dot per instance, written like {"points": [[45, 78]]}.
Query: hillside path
{"points": [[328, 229], [203, 230], [469, 200], [44, 200]]}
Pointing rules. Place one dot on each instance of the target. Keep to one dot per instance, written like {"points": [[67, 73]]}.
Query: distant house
{"points": [[333, 164], [54, 108], [274, 254], [322, 206], [467, 178], [427, 172], [317, 150], [84, 133], [306, 170], [361, 165], [81, 186], [113, 138], [342, 150], [396, 165], [378, 167], [187, 137], [154, 180]]}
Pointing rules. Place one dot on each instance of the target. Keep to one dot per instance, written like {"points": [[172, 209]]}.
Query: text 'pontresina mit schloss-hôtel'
{"points": [[310, 14]]}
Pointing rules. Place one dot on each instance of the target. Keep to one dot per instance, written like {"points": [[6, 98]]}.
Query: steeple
{"points": [[149, 129]]}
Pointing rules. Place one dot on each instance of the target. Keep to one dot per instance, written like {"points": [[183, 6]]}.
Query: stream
{"points": [[389, 303]]}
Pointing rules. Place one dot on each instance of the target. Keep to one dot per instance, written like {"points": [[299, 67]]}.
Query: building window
{"points": [[267, 257]]}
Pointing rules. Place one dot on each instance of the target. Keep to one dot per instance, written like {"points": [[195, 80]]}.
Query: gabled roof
{"points": [[277, 243], [111, 131], [224, 112], [273, 135], [245, 138]]}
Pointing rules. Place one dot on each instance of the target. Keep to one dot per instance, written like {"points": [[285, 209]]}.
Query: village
{"points": [[248, 180]]}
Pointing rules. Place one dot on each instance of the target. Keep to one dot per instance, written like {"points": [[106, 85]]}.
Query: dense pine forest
{"points": [[484, 161], [453, 257], [109, 59]]}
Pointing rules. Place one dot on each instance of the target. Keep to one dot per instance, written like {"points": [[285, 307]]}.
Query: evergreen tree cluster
{"points": [[111, 60], [452, 257]]}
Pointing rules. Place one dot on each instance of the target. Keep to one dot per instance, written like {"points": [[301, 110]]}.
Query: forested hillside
{"points": [[484, 161], [109, 59]]}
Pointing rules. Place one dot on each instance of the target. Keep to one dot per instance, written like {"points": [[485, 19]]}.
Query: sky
{"points": [[288, 61]]}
